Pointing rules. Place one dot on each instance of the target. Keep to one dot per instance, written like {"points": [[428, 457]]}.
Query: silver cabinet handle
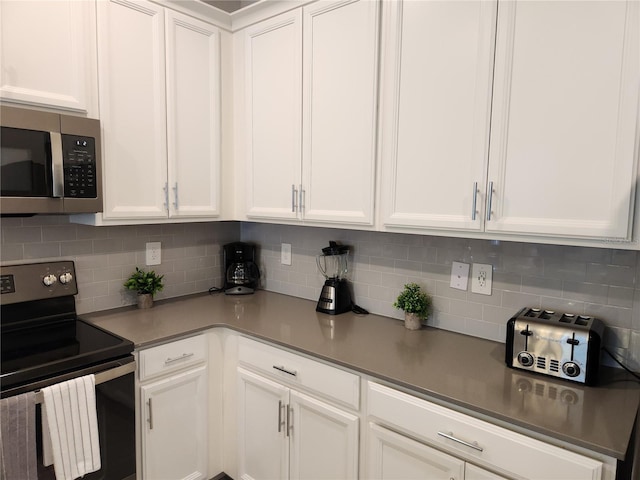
{"points": [[294, 197], [450, 436], [280, 422], [293, 373], [150, 420], [289, 423], [302, 199], [175, 359], [175, 196], [475, 201], [489, 200], [165, 189], [57, 164]]}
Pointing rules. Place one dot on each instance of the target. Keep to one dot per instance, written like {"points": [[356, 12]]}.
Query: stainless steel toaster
{"points": [[563, 345]]}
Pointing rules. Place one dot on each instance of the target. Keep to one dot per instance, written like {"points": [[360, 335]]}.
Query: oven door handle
{"points": [[101, 377]]}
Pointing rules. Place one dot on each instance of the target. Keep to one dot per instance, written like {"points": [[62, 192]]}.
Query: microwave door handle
{"points": [[57, 164]]}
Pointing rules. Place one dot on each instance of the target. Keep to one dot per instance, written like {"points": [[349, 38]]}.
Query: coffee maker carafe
{"points": [[241, 271], [335, 297]]}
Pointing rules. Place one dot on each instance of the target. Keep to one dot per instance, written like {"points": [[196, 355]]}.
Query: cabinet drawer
{"points": [[172, 356], [325, 380], [477, 440]]}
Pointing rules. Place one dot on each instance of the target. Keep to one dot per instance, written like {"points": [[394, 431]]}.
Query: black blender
{"points": [[335, 297]]}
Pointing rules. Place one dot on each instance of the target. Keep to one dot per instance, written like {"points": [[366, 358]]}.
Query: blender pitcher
{"points": [[335, 297], [333, 261]]}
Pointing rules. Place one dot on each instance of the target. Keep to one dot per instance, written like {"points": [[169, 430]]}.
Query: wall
{"points": [[105, 256], [599, 282]]}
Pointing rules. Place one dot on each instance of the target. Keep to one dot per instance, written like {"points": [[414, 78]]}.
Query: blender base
{"points": [[335, 297]]}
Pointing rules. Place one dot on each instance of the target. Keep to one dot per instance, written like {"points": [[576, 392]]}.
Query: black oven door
{"points": [[115, 404]]}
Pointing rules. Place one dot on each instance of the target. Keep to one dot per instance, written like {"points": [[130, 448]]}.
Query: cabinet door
{"points": [[273, 76], [175, 431], [564, 124], [393, 456], [324, 440], [132, 108], [262, 428], [48, 53], [340, 65], [193, 116], [435, 112]]}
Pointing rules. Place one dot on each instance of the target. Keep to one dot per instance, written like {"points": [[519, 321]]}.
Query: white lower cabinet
{"points": [[393, 456], [174, 410], [413, 438], [285, 433]]}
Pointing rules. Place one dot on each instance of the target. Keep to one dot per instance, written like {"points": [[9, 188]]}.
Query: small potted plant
{"points": [[147, 284], [416, 305]]}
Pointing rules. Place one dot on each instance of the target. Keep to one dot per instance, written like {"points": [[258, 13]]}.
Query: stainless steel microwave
{"points": [[49, 163]]}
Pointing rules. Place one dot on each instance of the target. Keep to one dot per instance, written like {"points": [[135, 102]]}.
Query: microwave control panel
{"points": [[79, 159]]}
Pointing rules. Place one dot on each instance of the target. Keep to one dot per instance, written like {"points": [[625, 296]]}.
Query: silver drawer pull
{"points": [[176, 359], [293, 373], [450, 436]]}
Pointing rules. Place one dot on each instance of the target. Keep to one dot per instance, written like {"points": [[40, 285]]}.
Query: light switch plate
{"points": [[459, 275]]}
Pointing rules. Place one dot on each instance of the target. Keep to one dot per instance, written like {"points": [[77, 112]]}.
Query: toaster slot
{"points": [[547, 314], [582, 320], [532, 312], [567, 318]]}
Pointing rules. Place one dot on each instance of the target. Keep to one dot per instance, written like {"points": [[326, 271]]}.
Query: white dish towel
{"points": [[69, 415]]}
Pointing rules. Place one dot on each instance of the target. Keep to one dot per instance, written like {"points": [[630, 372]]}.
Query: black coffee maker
{"points": [[241, 271]]}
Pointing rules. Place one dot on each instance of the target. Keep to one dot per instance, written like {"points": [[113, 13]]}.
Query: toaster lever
{"points": [[573, 341]]}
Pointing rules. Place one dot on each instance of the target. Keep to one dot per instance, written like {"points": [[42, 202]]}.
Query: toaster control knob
{"points": [[570, 369], [49, 280], [66, 278], [525, 359]]}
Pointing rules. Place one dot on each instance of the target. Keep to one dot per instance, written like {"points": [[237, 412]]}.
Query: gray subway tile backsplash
{"points": [[600, 282]]}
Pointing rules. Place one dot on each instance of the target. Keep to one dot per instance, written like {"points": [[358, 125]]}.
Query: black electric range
{"points": [[42, 337]]}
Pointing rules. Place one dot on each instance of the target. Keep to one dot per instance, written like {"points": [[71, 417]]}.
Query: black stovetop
{"points": [[48, 355]]}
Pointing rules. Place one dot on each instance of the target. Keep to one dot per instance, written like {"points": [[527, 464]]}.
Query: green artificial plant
{"points": [[144, 282], [413, 300]]}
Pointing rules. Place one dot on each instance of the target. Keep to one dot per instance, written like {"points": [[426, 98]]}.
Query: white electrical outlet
{"points": [[481, 278], [154, 255], [285, 254], [459, 275]]}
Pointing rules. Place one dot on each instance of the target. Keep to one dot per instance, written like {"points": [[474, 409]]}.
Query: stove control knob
{"points": [[49, 280], [525, 359], [66, 278], [570, 369]]}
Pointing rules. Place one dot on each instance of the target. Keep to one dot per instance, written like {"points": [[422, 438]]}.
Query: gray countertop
{"points": [[465, 371]]}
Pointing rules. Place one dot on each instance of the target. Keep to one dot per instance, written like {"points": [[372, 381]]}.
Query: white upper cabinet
{"points": [[48, 51], [273, 71], [526, 125], [193, 116], [437, 74], [133, 109], [565, 118], [160, 104], [311, 96], [340, 67]]}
